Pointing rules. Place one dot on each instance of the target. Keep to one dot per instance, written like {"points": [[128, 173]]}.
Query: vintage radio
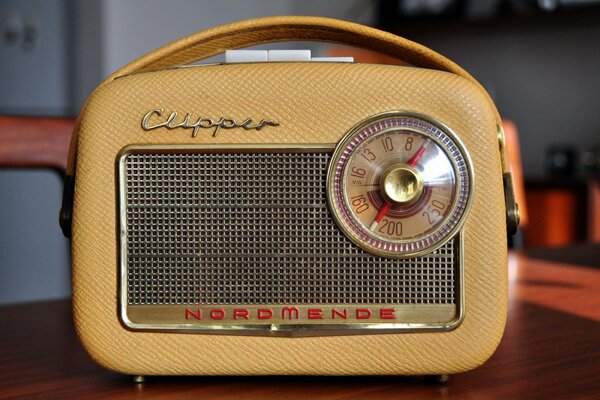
{"points": [[290, 217]]}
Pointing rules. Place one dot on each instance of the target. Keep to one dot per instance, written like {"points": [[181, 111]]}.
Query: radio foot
{"points": [[138, 378], [437, 379]]}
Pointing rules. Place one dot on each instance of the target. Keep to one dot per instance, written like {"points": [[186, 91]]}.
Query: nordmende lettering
{"points": [[195, 124], [288, 313]]}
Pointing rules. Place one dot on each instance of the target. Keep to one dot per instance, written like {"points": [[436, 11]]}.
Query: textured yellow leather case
{"points": [[314, 103]]}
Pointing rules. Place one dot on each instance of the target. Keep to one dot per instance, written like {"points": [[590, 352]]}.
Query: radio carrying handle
{"points": [[213, 41]]}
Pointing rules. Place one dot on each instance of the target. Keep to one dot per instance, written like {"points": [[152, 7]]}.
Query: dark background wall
{"points": [[543, 72]]}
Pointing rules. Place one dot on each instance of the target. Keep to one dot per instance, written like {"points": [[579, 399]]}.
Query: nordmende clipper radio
{"points": [[277, 214]]}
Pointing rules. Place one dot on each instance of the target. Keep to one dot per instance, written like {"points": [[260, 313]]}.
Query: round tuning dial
{"points": [[399, 185]]}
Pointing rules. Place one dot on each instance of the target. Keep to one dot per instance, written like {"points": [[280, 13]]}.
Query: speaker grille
{"points": [[254, 228]]}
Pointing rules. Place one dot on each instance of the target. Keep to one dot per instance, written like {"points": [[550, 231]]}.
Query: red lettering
{"points": [[291, 312], [337, 313], [363, 313], [189, 313], [240, 313], [387, 313], [217, 313], [315, 313], [265, 313]]}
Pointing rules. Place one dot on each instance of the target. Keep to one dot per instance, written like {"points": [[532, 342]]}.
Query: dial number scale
{"points": [[400, 186]]}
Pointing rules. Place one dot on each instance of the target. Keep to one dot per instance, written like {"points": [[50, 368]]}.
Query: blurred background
{"points": [[539, 59]]}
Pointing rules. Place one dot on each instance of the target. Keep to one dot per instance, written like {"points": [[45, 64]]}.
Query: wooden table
{"points": [[551, 349]]}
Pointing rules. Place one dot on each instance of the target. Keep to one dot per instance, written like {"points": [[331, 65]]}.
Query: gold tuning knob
{"points": [[401, 184]]}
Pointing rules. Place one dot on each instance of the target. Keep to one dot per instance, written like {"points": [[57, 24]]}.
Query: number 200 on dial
{"points": [[400, 185]]}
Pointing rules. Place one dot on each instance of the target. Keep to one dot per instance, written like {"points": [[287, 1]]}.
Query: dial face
{"points": [[399, 186]]}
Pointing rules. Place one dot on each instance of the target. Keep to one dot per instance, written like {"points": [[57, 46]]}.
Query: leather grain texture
{"points": [[314, 103], [210, 42]]}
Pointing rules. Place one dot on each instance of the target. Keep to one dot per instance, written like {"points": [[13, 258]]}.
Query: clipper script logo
{"points": [[154, 119]]}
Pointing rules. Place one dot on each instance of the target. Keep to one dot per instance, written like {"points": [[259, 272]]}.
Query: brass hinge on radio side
{"points": [[512, 208], [66, 209]]}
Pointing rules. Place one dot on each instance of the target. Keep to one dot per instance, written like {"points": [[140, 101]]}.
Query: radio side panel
{"points": [[313, 104]]}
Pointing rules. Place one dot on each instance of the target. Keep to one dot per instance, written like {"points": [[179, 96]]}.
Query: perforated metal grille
{"points": [[254, 228]]}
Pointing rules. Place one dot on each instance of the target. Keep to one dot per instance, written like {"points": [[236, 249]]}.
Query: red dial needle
{"points": [[415, 158], [382, 211], [387, 205]]}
